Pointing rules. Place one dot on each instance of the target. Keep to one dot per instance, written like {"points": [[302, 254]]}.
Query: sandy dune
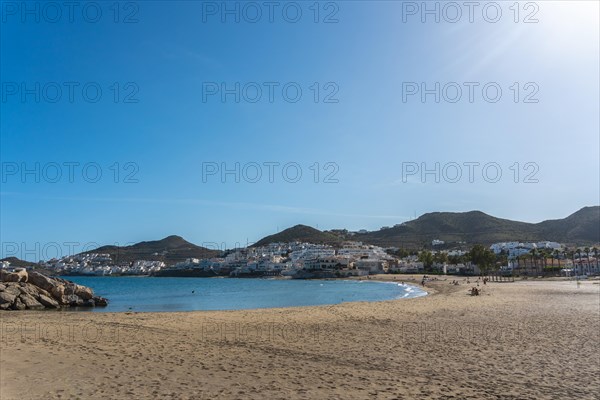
{"points": [[522, 340]]}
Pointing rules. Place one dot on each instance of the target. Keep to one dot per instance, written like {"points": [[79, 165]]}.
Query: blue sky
{"points": [[369, 132]]}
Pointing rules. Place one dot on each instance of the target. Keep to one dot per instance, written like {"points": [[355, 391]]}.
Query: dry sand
{"points": [[521, 340]]}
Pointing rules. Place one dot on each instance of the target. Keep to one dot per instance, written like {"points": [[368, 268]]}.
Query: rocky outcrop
{"points": [[40, 292]]}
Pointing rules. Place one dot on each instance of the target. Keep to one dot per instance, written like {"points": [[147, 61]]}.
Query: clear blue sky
{"points": [[367, 56]]}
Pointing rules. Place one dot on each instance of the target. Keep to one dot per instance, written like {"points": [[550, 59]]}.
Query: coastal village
{"points": [[300, 260]]}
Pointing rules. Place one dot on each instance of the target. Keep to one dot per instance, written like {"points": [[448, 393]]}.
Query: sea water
{"points": [[191, 294]]}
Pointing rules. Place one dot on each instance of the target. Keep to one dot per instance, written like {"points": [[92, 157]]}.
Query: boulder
{"points": [[42, 281], [84, 292], [100, 301], [48, 302], [12, 290], [7, 298], [41, 291], [58, 291], [51, 287], [45, 292], [74, 300], [62, 300], [28, 289], [18, 305], [20, 275], [30, 302], [88, 303]]}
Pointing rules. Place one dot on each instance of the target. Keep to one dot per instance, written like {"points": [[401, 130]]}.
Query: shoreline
{"points": [[412, 285], [523, 340]]}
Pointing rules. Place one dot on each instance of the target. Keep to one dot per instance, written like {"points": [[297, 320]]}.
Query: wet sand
{"points": [[520, 340]]}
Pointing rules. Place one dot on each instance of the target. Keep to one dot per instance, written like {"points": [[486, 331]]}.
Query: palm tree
{"points": [[579, 259], [595, 250], [533, 258], [544, 263], [427, 259], [557, 255], [571, 255], [587, 258], [540, 259], [523, 257]]}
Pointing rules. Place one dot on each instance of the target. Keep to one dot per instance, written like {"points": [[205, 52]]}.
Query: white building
{"points": [[515, 249], [321, 264], [583, 266], [371, 265], [456, 253], [312, 252]]}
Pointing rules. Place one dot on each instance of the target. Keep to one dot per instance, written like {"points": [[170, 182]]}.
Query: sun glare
{"points": [[569, 24]]}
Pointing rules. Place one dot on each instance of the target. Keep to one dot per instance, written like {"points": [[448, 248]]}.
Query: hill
{"points": [[171, 250], [582, 227], [16, 262], [300, 233]]}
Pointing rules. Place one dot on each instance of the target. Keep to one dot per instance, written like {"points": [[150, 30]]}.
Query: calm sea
{"points": [[189, 294]]}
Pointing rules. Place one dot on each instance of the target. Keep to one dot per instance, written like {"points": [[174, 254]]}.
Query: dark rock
{"points": [[100, 301], [74, 300], [62, 300], [88, 303], [18, 305]]}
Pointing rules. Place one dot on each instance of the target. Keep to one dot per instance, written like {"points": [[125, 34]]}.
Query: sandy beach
{"points": [[520, 340]]}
